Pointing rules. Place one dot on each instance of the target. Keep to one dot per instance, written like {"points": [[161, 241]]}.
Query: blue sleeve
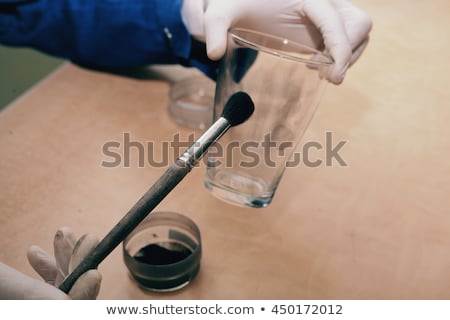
{"points": [[104, 33]]}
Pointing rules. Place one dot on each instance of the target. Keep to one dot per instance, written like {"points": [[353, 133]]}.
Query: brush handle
{"points": [[148, 201], [135, 215], [238, 108]]}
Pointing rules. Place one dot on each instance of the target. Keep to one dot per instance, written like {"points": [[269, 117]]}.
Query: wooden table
{"points": [[378, 228]]}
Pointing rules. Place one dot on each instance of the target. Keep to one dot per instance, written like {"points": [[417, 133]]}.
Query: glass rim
{"points": [[324, 58]]}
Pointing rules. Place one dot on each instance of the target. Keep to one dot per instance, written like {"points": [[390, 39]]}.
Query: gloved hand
{"points": [[336, 24], [68, 254]]}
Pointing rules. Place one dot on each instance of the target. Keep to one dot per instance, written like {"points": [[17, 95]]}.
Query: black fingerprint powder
{"points": [[162, 253]]}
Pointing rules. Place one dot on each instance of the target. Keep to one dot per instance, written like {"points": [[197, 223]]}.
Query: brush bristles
{"points": [[238, 108]]}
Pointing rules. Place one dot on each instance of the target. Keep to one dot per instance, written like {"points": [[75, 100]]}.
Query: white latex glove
{"points": [[336, 24], [68, 254]]}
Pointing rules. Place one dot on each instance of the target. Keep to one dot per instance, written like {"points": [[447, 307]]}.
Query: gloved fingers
{"points": [[357, 52], [82, 248], [63, 245], [16, 285], [217, 22], [325, 17], [192, 14], [43, 264], [357, 23], [87, 286]]}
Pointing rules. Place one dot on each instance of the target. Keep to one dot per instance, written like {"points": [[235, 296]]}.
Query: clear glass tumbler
{"points": [[191, 101], [285, 80]]}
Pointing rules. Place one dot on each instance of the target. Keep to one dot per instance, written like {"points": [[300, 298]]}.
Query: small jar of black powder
{"points": [[163, 252]]}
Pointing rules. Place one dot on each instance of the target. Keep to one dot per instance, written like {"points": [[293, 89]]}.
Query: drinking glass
{"points": [[285, 80]]}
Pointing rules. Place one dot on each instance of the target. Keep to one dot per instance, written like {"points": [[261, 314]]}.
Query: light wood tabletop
{"points": [[378, 228]]}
